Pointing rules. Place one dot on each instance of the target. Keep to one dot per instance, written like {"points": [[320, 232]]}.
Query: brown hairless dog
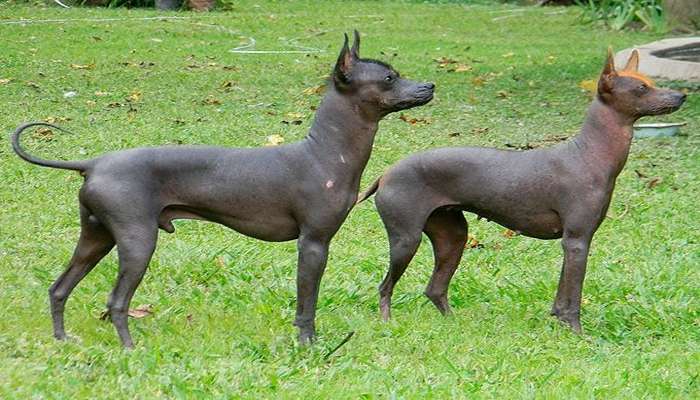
{"points": [[550, 193]]}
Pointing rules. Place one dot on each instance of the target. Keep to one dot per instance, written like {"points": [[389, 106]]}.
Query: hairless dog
{"points": [[550, 193], [302, 190]]}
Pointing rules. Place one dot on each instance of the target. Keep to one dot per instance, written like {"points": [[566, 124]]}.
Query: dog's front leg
{"points": [[313, 254], [567, 303]]}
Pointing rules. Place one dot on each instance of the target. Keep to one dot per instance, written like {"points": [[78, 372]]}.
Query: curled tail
{"points": [[74, 165], [369, 192]]}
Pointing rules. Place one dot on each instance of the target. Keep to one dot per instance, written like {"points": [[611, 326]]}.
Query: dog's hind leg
{"points": [[94, 243], [402, 248], [136, 241], [447, 230]]}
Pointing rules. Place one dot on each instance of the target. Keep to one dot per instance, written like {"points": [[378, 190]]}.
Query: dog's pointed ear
{"points": [[633, 62], [355, 50], [609, 68], [605, 82], [344, 65]]}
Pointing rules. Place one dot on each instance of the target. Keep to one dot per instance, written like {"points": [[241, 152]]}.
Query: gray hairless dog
{"points": [[550, 193], [302, 190]]}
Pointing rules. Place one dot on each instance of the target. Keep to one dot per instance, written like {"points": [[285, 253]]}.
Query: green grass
{"points": [[223, 303]]}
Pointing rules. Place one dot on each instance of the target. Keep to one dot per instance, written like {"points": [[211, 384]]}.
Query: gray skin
{"points": [[302, 190], [549, 193]]}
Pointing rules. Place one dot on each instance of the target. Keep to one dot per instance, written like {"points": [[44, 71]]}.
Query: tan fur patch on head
{"points": [[638, 76]]}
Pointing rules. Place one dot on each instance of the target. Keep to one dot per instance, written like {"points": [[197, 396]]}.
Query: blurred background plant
{"points": [[620, 14]]}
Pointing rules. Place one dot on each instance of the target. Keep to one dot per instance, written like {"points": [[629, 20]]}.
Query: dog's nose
{"points": [[683, 96], [430, 86]]}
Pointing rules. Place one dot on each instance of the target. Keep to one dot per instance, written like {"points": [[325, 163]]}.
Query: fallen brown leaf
{"points": [[502, 94], [478, 130], [44, 134], [5, 81], [589, 85], [509, 233], [472, 243], [478, 80], [462, 68], [413, 121], [274, 140], [443, 62], [83, 66], [134, 96], [53, 120], [141, 311], [654, 182], [211, 101], [314, 90]]}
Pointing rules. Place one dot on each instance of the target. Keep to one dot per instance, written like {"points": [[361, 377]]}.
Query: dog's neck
{"points": [[605, 138], [341, 135]]}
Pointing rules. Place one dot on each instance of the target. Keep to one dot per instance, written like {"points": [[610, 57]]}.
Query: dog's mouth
{"points": [[419, 100]]}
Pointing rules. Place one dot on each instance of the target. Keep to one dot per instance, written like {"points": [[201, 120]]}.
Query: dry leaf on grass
{"points": [[478, 81], [141, 311], [314, 90], [5, 81], [293, 118], [589, 85], [473, 243], [509, 233], [451, 65], [654, 182], [228, 85], [83, 66], [53, 120], [413, 121], [134, 96], [211, 101], [44, 134], [502, 94], [274, 140]]}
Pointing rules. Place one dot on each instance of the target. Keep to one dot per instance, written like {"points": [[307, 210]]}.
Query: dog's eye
{"points": [[643, 88], [389, 78]]}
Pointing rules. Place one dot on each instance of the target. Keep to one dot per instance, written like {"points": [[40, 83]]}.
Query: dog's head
{"points": [[377, 87], [634, 94]]}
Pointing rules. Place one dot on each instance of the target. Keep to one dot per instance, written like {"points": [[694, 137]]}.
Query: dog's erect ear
{"points": [[605, 82], [633, 62], [344, 65], [609, 68], [355, 50]]}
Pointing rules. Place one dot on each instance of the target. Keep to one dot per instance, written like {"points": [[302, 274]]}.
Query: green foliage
{"points": [[619, 14]]}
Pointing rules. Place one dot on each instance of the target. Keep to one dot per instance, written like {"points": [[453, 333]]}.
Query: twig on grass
{"points": [[347, 338]]}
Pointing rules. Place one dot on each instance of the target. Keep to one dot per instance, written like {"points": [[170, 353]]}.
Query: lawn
{"points": [[222, 303]]}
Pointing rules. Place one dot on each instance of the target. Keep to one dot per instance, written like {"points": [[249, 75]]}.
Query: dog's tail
{"points": [[73, 165], [369, 192]]}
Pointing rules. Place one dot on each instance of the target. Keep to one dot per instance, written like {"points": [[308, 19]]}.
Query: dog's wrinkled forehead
{"points": [[370, 69], [637, 76]]}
